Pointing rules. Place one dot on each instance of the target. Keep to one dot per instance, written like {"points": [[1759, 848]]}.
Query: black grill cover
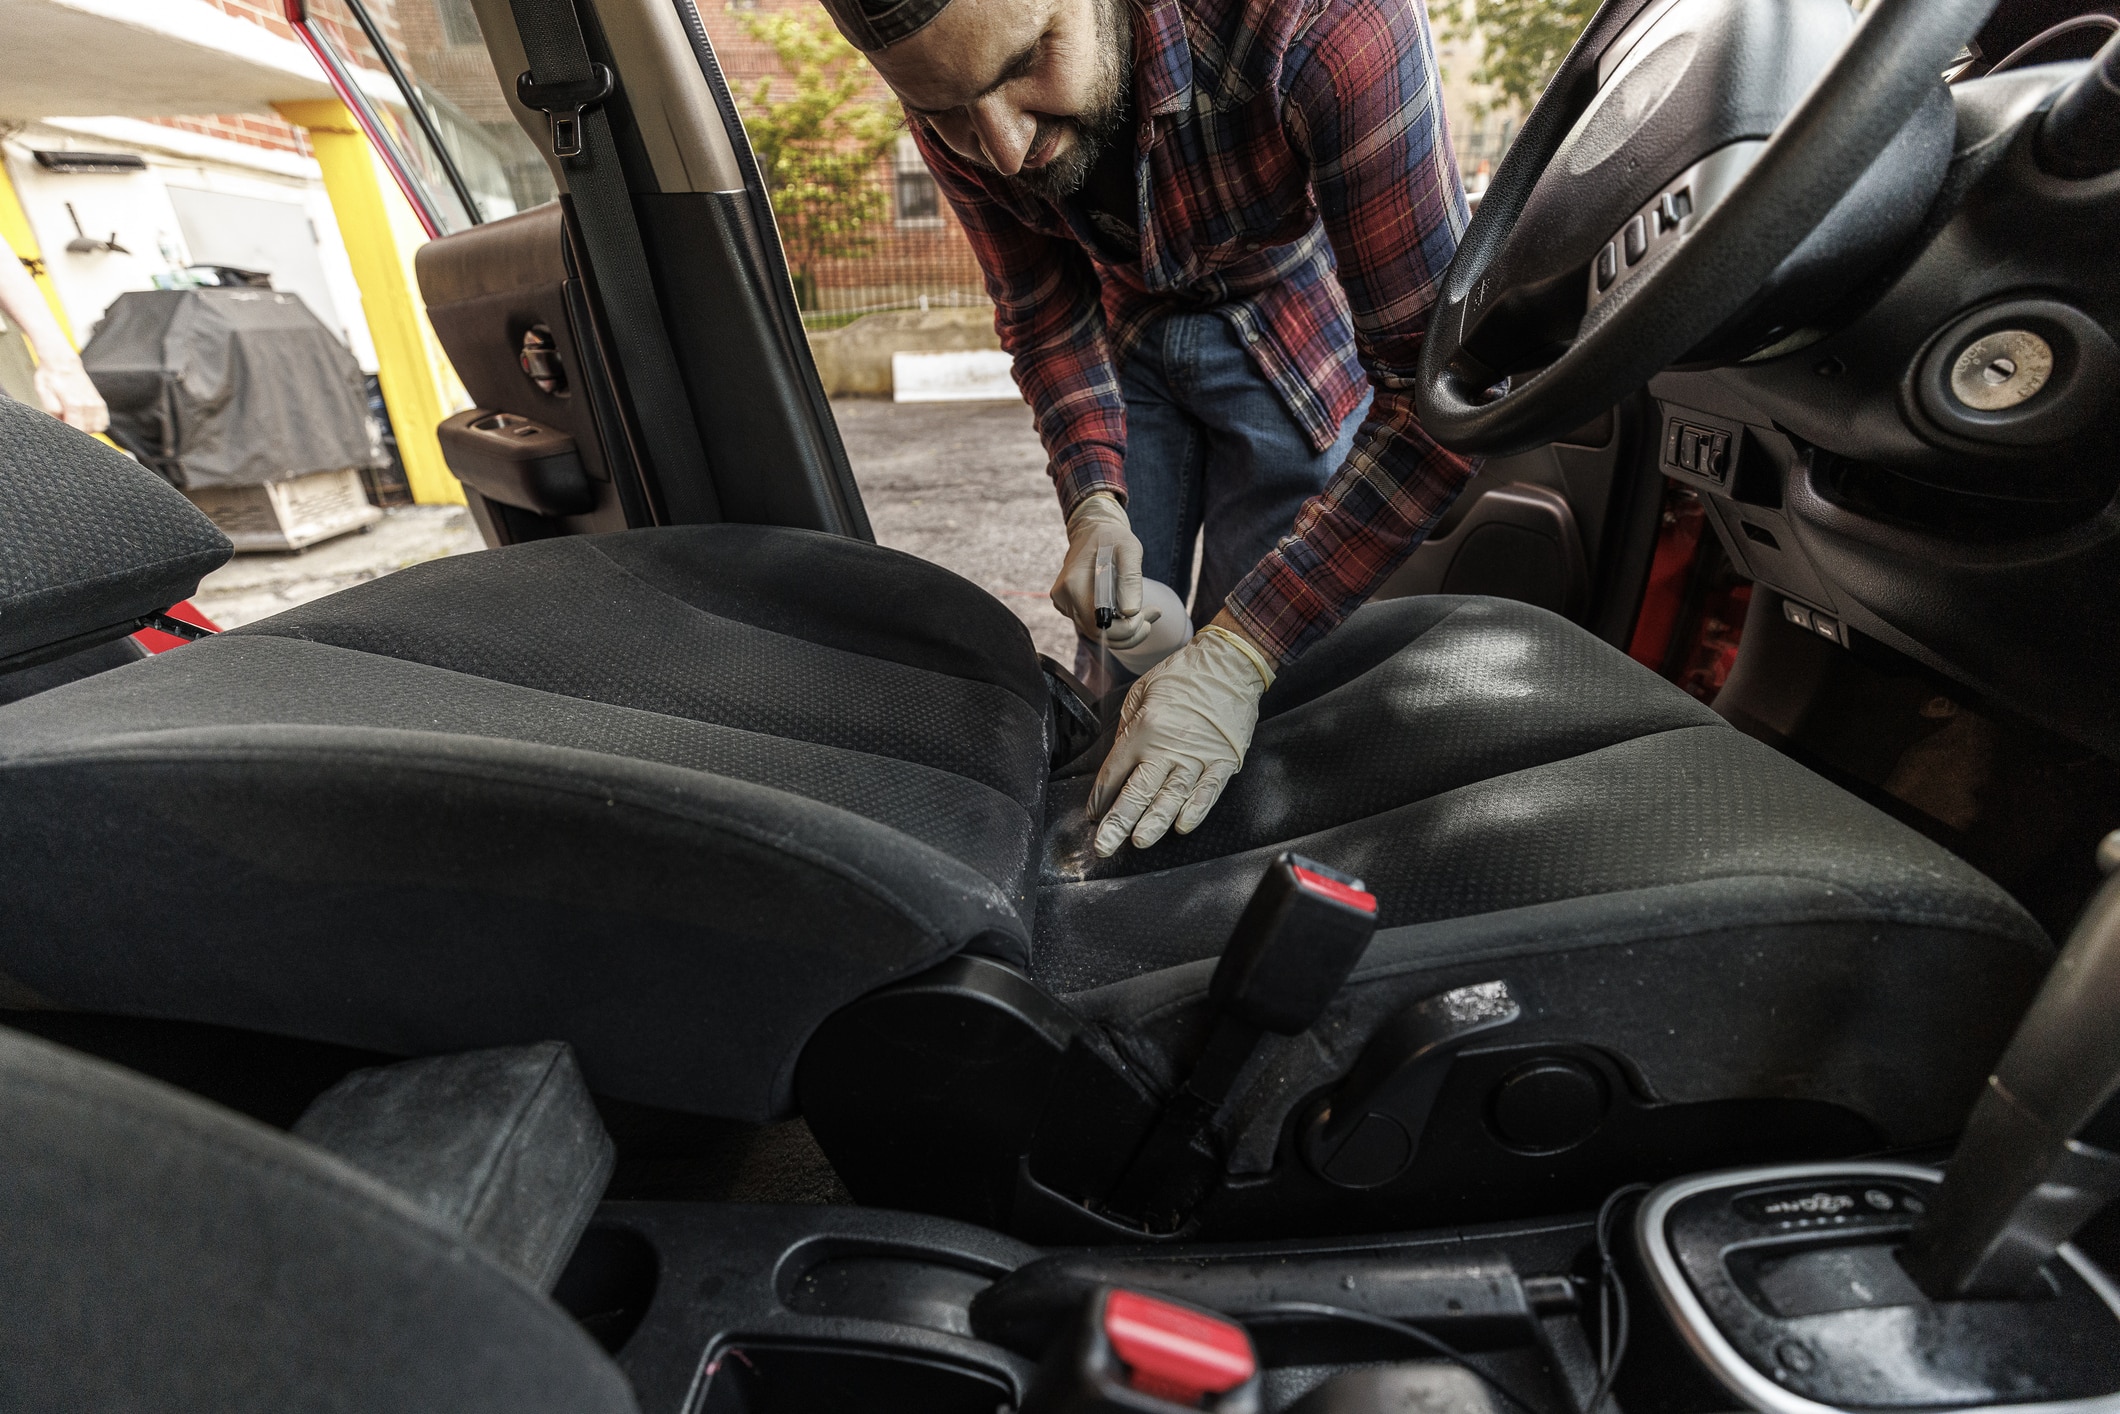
{"points": [[229, 387]]}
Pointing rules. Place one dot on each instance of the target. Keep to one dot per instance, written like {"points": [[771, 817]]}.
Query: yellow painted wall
{"points": [[15, 231], [381, 233]]}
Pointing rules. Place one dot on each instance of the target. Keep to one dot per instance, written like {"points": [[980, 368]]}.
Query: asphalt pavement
{"points": [[964, 485]]}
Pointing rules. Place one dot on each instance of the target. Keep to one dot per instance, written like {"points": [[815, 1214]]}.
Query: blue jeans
{"points": [[1209, 446]]}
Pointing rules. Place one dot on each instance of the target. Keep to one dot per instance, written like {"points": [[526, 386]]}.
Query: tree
{"points": [[1522, 41], [818, 147]]}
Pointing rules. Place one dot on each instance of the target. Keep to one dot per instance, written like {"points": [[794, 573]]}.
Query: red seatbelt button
{"points": [[1173, 1352], [1335, 890]]}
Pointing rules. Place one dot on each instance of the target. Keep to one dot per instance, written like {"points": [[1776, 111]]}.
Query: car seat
{"points": [[164, 1253], [761, 819]]}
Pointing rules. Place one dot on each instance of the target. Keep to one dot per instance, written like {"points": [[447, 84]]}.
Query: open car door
{"points": [[631, 345]]}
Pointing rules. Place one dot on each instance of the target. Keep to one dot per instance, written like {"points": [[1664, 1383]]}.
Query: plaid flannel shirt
{"points": [[1295, 177]]}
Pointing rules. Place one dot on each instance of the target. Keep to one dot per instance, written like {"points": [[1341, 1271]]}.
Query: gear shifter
{"points": [[2028, 1171], [1885, 1286]]}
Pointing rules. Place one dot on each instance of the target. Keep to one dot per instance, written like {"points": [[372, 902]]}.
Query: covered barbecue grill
{"points": [[246, 402]]}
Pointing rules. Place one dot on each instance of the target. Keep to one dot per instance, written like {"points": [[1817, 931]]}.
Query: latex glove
{"points": [[1097, 521], [1182, 734], [66, 392]]}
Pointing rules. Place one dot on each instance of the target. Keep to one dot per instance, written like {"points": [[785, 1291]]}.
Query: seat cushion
{"points": [[1529, 804], [161, 1253], [671, 795]]}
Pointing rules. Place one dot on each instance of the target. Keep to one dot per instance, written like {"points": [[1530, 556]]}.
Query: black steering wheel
{"points": [[1684, 153]]}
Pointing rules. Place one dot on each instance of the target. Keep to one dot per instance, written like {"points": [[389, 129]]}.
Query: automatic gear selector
{"points": [[1788, 1284], [1883, 1286]]}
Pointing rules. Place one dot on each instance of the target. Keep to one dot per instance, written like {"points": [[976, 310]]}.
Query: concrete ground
{"points": [[253, 586], [962, 484]]}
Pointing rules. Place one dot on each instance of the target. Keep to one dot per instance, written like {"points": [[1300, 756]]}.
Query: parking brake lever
{"points": [[1300, 936], [2026, 1176]]}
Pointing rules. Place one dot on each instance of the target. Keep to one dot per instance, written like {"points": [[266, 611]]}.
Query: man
{"points": [[1212, 231]]}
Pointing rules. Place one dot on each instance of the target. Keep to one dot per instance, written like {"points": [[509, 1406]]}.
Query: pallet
{"points": [[288, 515]]}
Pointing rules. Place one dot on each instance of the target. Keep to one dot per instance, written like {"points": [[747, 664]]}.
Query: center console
{"points": [[775, 1309], [1791, 1286], [1887, 1286], [1874, 1286]]}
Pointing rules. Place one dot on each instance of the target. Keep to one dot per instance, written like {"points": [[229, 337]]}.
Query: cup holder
{"points": [[608, 1283], [745, 1377]]}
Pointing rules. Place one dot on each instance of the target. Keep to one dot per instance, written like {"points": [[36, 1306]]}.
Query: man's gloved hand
{"points": [[1182, 735], [1098, 521], [65, 390]]}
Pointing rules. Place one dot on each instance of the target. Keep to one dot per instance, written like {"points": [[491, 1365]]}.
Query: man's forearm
{"points": [[23, 304], [1348, 539]]}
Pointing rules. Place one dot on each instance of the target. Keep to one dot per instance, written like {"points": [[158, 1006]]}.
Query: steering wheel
{"points": [[1683, 153]]}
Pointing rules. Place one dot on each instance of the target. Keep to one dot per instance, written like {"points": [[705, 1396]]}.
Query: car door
{"points": [[621, 318]]}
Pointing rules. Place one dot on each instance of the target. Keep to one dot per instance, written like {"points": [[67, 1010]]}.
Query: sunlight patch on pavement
{"points": [[256, 586]]}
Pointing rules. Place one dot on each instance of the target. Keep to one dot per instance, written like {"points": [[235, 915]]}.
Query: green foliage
{"points": [[1523, 41], [818, 145]]}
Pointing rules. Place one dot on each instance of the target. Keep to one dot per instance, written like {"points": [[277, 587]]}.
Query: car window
{"points": [[417, 75]]}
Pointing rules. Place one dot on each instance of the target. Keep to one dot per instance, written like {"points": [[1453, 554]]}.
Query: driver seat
{"points": [[756, 818]]}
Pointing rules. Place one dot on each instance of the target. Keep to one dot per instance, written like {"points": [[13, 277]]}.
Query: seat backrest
{"points": [[89, 539], [157, 1252]]}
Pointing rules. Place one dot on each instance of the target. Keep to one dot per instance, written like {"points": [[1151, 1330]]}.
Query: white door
{"points": [[254, 233]]}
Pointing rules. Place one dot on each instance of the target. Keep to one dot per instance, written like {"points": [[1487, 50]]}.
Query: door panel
{"points": [[1569, 526], [662, 272], [487, 290]]}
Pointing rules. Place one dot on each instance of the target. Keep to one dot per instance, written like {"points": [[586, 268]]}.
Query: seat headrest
{"points": [[89, 539]]}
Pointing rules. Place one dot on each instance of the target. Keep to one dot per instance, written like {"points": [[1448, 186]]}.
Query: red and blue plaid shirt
{"points": [[1295, 176]]}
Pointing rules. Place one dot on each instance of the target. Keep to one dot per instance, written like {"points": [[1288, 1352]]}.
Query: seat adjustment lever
{"points": [[1298, 939], [1368, 1131]]}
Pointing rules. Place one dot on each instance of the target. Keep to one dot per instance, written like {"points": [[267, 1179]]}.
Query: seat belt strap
{"points": [[569, 88]]}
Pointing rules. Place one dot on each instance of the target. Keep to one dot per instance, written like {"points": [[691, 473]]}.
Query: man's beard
{"points": [[1097, 127]]}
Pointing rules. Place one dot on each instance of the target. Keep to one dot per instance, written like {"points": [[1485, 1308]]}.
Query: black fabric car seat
{"points": [[689, 798], [158, 1252]]}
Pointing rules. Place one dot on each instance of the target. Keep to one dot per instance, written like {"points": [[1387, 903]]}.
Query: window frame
{"points": [[340, 73]]}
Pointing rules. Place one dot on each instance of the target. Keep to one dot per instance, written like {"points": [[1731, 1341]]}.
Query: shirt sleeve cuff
{"points": [[1087, 470], [1280, 610]]}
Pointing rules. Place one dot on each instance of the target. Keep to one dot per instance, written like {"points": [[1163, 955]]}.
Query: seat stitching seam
{"points": [[690, 607], [1044, 882], [708, 817], [597, 703]]}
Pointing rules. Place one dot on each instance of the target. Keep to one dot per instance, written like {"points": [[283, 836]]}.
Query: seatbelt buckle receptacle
{"points": [[1127, 1352], [563, 102]]}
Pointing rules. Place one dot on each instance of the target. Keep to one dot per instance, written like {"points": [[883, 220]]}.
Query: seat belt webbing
{"points": [[603, 210]]}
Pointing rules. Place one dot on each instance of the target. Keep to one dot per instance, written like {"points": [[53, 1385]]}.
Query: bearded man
{"points": [[1212, 230]]}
